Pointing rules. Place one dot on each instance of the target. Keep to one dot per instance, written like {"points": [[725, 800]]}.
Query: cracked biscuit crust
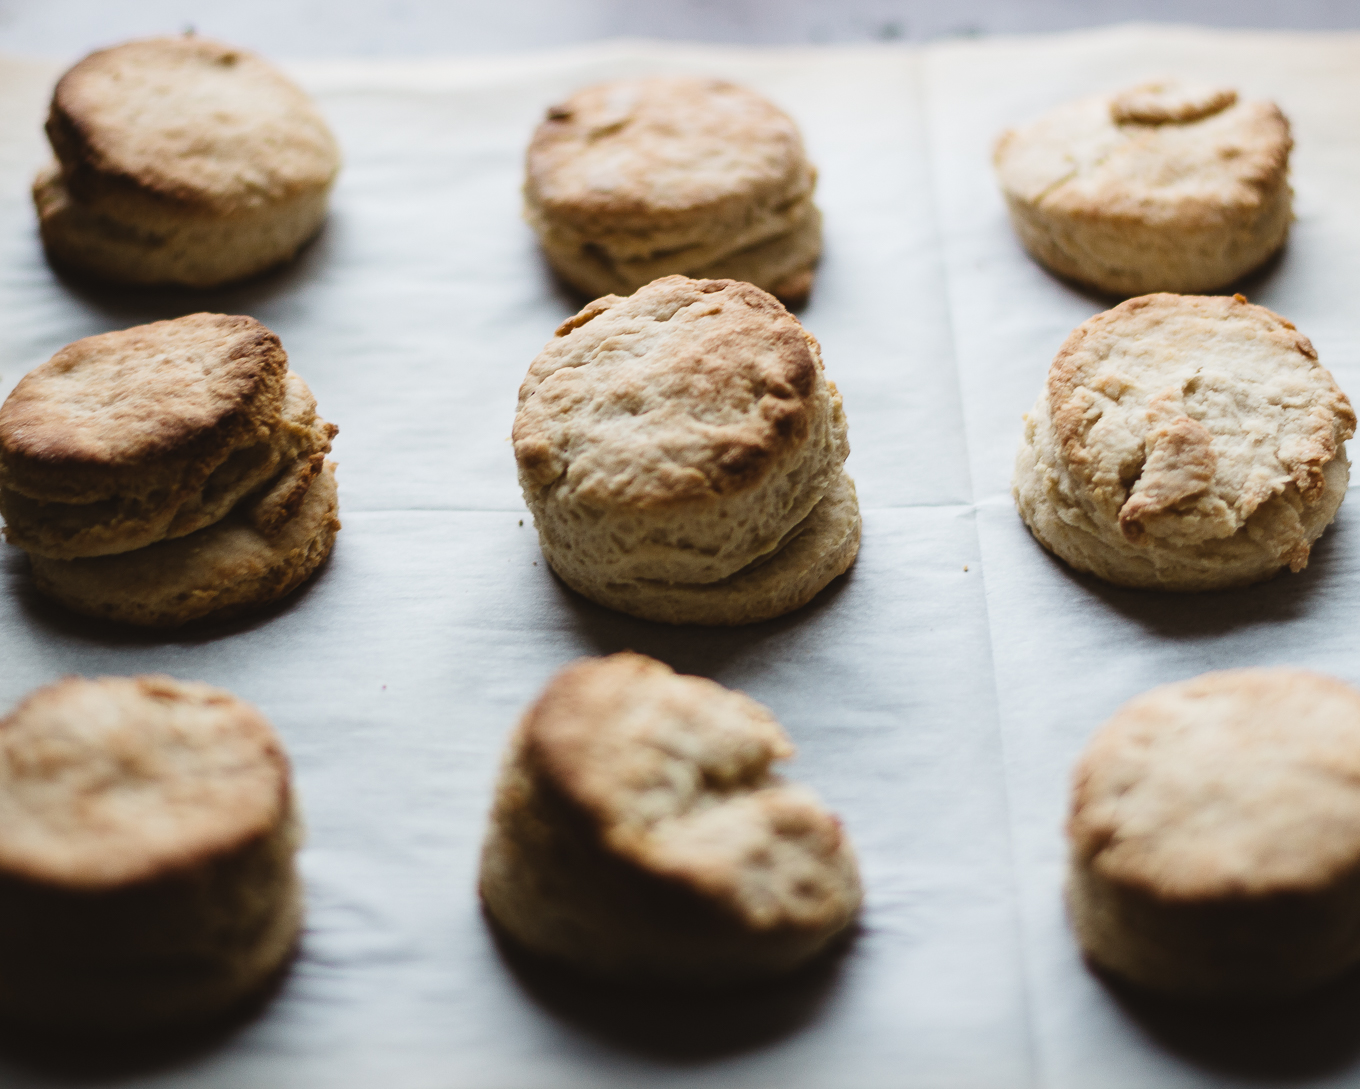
{"points": [[1162, 187], [1184, 443], [147, 835], [638, 832], [676, 438], [636, 179], [1215, 835]]}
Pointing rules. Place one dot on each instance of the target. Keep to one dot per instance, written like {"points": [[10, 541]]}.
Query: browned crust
{"points": [[183, 898], [746, 347], [1071, 368], [577, 749], [669, 123], [1258, 149], [226, 570], [102, 161], [134, 425], [1118, 851], [27, 742], [563, 727]]}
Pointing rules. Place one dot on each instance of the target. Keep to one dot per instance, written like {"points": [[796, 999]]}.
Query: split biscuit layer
{"points": [[165, 472]]}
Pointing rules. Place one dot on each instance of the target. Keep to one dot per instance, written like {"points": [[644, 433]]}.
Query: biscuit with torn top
{"points": [[639, 834], [1184, 443]]}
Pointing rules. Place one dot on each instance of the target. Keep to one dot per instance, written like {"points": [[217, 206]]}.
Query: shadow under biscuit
{"points": [[128, 305], [41, 611], [62, 1055], [678, 1024], [1308, 1037], [701, 650], [1171, 614]]}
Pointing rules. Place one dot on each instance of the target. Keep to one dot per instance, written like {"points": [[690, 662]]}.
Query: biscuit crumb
{"points": [[965, 567]]}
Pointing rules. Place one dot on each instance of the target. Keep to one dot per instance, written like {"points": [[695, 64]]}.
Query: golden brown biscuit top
{"points": [[674, 772], [649, 149], [1162, 153], [1179, 415], [189, 120], [1239, 783], [685, 390], [123, 398], [123, 779]]}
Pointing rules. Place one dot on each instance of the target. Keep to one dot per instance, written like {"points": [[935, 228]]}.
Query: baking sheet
{"points": [[937, 694]]}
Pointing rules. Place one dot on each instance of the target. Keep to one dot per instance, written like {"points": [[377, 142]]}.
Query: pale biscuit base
{"points": [[817, 550], [148, 869], [170, 247], [229, 568], [1124, 258], [1215, 836], [784, 265], [639, 834]]}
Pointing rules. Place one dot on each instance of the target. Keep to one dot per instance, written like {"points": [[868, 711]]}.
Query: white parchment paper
{"points": [[938, 693]]}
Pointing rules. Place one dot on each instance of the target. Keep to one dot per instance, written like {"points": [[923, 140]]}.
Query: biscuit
{"points": [[633, 180], [147, 835], [1215, 836], [1184, 443], [683, 455], [181, 161], [638, 833], [267, 547], [1163, 187], [127, 438]]}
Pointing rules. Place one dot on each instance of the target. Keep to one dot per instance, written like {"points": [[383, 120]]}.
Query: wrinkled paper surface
{"points": [[938, 694]]}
